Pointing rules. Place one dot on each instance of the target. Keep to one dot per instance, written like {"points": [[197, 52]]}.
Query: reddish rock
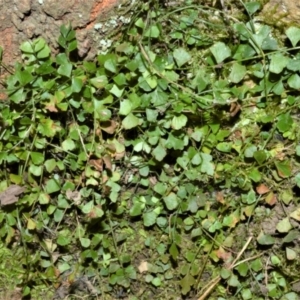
{"points": [[23, 20]]}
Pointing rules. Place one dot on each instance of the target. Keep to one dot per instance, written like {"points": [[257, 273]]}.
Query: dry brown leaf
{"points": [[119, 155], [153, 180], [111, 147], [74, 195], [107, 162], [143, 267], [97, 163], [220, 197], [262, 189], [109, 126], [10, 195], [234, 109], [51, 107], [222, 254], [271, 199]]}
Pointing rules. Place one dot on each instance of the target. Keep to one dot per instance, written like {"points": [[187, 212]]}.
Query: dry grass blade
{"points": [[211, 285]]}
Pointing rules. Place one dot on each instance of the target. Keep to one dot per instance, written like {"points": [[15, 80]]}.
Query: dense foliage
{"points": [[169, 166]]}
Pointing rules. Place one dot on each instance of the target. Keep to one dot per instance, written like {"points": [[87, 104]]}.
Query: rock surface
{"points": [[21, 20], [282, 12]]}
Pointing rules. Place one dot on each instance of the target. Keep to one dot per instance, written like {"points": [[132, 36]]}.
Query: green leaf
{"points": [[35, 170], [196, 160], [290, 296], [130, 121], [160, 188], [183, 161], [149, 218], [181, 56], [159, 152], [220, 51], [173, 250], [237, 73], [37, 157], [284, 122], [99, 82], [243, 269], [111, 65], [151, 80], [27, 47], [77, 84], [156, 281], [224, 147], [284, 168], [103, 114], [179, 121], [265, 239], [120, 79], [207, 166], [260, 156], [233, 281], [18, 95], [65, 69], [249, 151], [44, 198], [252, 7], [41, 48], [278, 63], [225, 273], [50, 165], [85, 243], [68, 145], [152, 32], [291, 236], [52, 186], [297, 179], [125, 107], [290, 253], [247, 294], [255, 175], [295, 214], [24, 77], [171, 201], [294, 81], [47, 127], [140, 23], [63, 240], [88, 207], [58, 215], [136, 209], [293, 33], [186, 283], [116, 91], [284, 225], [153, 114]]}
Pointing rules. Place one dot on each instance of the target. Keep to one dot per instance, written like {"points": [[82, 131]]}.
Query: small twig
{"points": [[212, 284], [247, 259], [241, 252], [266, 272]]}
